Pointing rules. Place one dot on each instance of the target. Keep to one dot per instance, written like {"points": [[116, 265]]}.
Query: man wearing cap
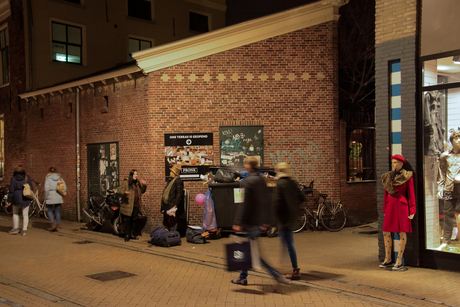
{"points": [[398, 208], [172, 200]]}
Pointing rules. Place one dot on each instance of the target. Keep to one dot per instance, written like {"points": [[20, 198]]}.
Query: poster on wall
{"points": [[192, 151], [434, 123], [239, 142]]}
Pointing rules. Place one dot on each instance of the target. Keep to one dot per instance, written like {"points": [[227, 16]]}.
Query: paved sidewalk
{"points": [[338, 269]]}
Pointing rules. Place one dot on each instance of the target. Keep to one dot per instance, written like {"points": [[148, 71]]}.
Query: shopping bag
{"points": [[239, 256]]}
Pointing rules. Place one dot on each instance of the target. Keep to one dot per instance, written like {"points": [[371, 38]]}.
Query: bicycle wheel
{"points": [[33, 207], [302, 220], [333, 216]]}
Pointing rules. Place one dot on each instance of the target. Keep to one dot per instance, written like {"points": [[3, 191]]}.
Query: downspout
{"points": [[77, 107]]}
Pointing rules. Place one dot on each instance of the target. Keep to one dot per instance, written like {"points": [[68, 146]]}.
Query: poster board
{"points": [[239, 142], [192, 151]]}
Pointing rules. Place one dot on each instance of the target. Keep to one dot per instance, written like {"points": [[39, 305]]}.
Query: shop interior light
{"points": [[456, 59]]}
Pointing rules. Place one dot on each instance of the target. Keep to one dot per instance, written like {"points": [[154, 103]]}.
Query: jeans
{"points": [[57, 213], [253, 234], [25, 217], [449, 219], [288, 241]]}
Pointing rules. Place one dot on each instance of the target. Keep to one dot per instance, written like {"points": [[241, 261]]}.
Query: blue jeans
{"points": [[57, 208], [288, 241], [253, 234]]}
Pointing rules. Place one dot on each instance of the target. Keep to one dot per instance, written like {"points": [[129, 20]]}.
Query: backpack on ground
{"points": [[161, 237], [60, 188], [193, 235]]}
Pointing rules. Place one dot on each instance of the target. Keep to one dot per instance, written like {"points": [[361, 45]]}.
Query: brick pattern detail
{"points": [[394, 20]]}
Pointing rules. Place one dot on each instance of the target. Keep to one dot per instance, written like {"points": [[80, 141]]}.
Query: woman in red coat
{"points": [[398, 208]]}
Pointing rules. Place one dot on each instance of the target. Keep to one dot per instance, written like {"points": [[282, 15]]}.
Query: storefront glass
{"points": [[441, 105]]}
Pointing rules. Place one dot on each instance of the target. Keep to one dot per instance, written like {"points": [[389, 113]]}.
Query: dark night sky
{"points": [[243, 10]]}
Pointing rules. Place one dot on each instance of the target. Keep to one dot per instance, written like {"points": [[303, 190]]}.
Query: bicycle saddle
{"points": [[323, 195]]}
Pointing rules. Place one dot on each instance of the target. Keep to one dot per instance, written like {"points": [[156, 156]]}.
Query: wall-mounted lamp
{"points": [[456, 59]]}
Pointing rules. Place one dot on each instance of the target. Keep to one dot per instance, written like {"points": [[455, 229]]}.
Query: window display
{"points": [[441, 109]]}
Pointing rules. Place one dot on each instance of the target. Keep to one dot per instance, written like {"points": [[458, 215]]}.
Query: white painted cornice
{"points": [[238, 35], [209, 4], [5, 9], [91, 80]]}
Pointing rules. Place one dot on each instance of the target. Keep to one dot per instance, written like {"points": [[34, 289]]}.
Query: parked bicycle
{"points": [[36, 206], [4, 198], [331, 214]]}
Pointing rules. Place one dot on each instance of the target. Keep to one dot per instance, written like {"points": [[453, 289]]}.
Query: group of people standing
{"points": [[19, 201]]}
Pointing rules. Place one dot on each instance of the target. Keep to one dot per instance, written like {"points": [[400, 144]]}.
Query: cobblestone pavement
{"points": [[338, 269]]}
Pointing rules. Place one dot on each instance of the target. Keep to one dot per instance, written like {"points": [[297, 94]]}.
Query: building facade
{"points": [[417, 116]]}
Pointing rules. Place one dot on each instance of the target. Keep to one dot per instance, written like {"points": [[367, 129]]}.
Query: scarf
{"points": [[392, 179], [165, 197]]}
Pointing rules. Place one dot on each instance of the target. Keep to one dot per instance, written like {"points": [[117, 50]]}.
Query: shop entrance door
{"points": [[103, 168]]}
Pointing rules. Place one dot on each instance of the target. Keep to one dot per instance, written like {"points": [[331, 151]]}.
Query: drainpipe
{"points": [[77, 107]]}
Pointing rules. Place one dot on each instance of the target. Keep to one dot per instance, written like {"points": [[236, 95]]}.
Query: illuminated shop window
{"points": [[67, 43], [361, 157]]}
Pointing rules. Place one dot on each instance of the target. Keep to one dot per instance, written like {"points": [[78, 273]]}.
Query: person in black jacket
{"points": [[18, 200], [286, 202], [254, 214], [172, 200]]}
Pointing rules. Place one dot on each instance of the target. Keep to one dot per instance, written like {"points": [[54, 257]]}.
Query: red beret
{"points": [[399, 158]]}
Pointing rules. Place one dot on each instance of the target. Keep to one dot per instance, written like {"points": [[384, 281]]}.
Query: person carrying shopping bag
{"points": [[53, 198], [18, 200]]}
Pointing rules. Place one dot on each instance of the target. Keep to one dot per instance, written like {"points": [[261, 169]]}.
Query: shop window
{"points": [[137, 45], [441, 139], [198, 22], [361, 154], [67, 43], [103, 168], [140, 9], [5, 65], [2, 146]]}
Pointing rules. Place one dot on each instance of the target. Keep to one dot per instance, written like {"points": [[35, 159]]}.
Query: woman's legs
{"points": [[15, 217], [288, 240], [49, 209], [388, 246], [25, 218], [402, 247], [57, 211]]}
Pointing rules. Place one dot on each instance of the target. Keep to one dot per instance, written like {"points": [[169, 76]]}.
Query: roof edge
{"points": [[238, 35], [83, 81]]}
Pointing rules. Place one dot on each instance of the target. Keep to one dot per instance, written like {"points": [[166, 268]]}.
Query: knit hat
{"points": [[176, 169], [399, 158]]}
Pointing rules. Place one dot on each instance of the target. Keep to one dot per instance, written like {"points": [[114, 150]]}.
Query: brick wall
{"points": [[394, 20], [10, 105], [288, 84]]}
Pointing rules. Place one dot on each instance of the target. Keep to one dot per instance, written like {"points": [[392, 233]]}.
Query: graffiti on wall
{"points": [[307, 161]]}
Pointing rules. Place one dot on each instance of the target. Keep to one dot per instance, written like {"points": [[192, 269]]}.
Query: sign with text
{"points": [[192, 151]]}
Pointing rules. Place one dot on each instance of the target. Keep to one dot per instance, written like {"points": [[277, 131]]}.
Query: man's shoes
{"points": [[399, 267], [282, 280], [239, 281], [126, 238], [13, 231], [443, 246], [23, 232], [131, 237], [385, 265], [295, 275]]}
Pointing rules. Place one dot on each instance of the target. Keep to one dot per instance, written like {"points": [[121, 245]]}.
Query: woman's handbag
{"points": [[60, 188], [27, 191]]}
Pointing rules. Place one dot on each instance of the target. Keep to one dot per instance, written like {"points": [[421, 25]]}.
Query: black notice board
{"points": [[238, 142]]}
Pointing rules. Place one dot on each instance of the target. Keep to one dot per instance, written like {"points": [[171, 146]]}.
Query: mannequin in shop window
{"points": [[449, 164], [398, 208]]}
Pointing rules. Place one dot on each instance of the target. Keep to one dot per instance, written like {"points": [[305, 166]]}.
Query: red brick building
{"points": [[278, 72]]}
